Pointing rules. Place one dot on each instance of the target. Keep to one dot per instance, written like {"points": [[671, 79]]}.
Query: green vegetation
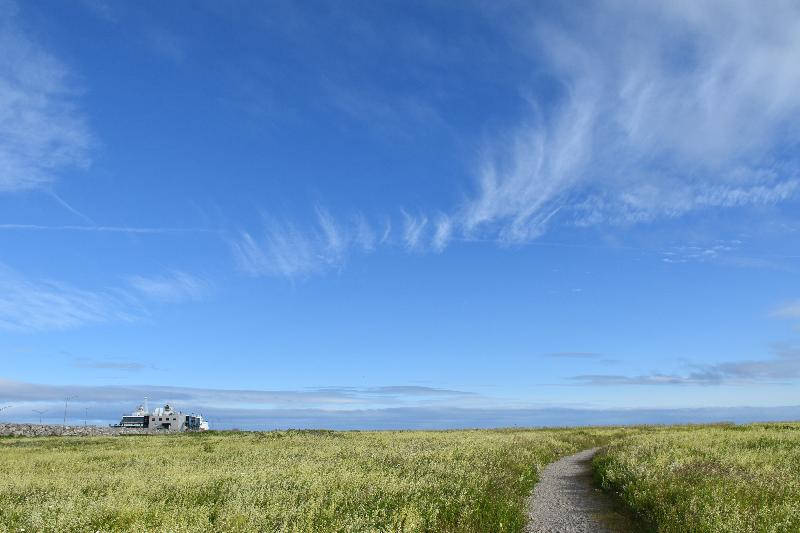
{"points": [[709, 479], [689, 478], [452, 481]]}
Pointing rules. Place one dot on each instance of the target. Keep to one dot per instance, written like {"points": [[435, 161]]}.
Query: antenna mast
{"points": [[66, 401], [40, 412]]}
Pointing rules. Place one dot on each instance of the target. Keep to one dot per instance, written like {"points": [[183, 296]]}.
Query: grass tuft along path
{"points": [[709, 479]]}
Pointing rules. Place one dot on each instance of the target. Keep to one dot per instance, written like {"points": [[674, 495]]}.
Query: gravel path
{"points": [[566, 500]]}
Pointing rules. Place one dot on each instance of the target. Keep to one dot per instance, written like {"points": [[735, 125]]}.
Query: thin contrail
{"points": [[69, 208], [108, 229]]}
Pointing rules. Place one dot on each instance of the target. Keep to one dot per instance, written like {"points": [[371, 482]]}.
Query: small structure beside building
{"points": [[137, 419], [164, 419]]}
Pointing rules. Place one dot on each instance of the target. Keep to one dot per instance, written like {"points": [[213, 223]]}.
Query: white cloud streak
{"points": [[685, 108], [32, 305], [282, 250], [660, 110], [443, 233], [413, 229], [523, 192], [364, 234], [41, 130], [789, 310], [173, 287], [285, 249], [39, 305], [105, 229]]}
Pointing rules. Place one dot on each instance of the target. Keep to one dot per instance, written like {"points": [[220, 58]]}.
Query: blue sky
{"points": [[400, 214]]}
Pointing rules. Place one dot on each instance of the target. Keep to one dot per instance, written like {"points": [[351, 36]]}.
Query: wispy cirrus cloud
{"points": [[414, 227], [39, 305], [29, 305], [443, 232], [688, 108], [282, 248], [173, 286], [790, 310], [694, 253], [42, 132]]}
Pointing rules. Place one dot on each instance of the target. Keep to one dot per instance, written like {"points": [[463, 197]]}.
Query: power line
{"points": [[66, 401]]}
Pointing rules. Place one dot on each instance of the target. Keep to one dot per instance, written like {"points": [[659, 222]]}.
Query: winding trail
{"points": [[566, 501]]}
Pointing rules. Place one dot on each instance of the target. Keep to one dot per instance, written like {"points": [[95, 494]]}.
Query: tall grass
{"points": [[450, 481], [709, 479]]}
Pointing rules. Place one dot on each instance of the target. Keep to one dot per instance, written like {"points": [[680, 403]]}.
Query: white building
{"points": [[169, 419], [163, 418]]}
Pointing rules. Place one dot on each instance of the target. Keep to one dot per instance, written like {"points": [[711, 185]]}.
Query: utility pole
{"points": [[85, 415], [41, 412], [66, 401]]}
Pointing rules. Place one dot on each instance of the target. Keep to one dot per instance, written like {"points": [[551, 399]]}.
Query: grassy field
{"points": [[447, 481], [703, 479], [710, 479]]}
